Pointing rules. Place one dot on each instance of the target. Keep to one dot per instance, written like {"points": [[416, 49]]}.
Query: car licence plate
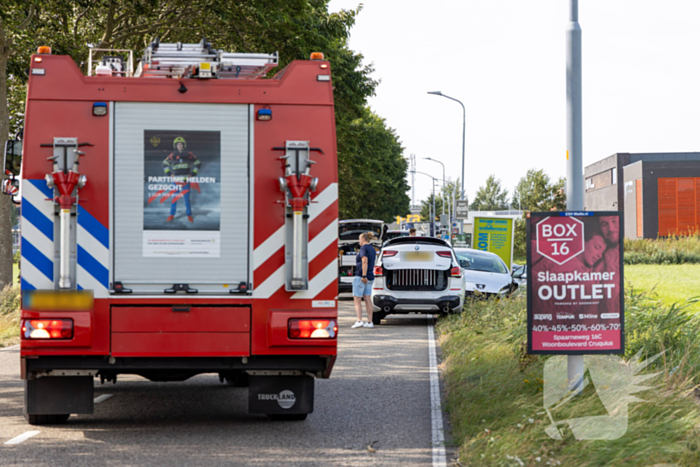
{"points": [[418, 256]]}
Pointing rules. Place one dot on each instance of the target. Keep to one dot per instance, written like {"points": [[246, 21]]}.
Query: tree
{"points": [[491, 197], [536, 192], [451, 187], [295, 28], [371, 170]]}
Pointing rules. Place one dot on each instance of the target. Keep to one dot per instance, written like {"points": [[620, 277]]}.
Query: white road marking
{"points": [[102, 398], [23, 437], [439, 459], [12, 347]]}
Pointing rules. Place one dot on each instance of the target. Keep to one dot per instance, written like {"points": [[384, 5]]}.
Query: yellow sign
{"points": [[409, 218], [494, 234]]}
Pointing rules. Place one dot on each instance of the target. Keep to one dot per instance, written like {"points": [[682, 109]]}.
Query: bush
{"points": [[9, 315], [672, 250]]}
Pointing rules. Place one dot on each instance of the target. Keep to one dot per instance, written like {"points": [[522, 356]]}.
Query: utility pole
{"points": [[574, 150], [413, 180]]}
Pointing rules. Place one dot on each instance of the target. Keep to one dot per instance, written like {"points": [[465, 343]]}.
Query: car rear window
{"points": [[484, 263]]}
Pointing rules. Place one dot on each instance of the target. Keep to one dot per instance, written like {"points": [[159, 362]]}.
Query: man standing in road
{"points": [[181, 165], [411, 232], [363, 280]]}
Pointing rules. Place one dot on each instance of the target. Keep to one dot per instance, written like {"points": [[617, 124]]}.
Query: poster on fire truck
{"points": [[575, 283], [182, 193]]}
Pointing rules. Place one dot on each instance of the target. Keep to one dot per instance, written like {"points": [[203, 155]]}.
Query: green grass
{"points": [[9, 316], [494, 391], [670, 283]]}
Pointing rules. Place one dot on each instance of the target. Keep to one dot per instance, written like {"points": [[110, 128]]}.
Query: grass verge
{"points": [[672, 250], [495, 391], [672, 283], [9, 316]]}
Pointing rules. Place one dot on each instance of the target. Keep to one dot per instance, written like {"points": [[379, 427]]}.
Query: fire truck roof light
{"points": [[264, 115], [44, 49], [316, 55], [38, 59], [99, 109]]}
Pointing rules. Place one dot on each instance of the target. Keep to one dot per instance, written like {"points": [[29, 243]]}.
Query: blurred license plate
{"points": [[420, 256], [51, 300]]}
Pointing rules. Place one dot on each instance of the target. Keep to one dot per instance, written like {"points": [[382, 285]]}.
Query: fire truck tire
{"points": [[240, 380], [377, 318], [35, 419], [288, 417]]}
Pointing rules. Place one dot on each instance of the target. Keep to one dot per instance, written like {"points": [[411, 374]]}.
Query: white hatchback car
{"points": [[416, 275], [484, 273]]}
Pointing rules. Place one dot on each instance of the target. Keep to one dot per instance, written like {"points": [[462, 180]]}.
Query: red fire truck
{"points": [[177, 219]]}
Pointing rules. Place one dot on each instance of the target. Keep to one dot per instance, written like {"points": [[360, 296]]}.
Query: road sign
{"points": [[560, 238], [462, 209]]}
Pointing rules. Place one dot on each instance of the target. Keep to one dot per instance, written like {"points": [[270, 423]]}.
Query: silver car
{"points": [[484, 273]]}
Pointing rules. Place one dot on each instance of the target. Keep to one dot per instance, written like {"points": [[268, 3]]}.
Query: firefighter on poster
{"points": [[182, 165]]}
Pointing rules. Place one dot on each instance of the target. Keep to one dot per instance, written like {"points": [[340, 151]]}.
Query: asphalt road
{"points": [[378, 395]]}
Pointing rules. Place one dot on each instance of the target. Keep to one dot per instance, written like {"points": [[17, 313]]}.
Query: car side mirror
{"points": [[463, 263], [10, 186], [13, 157]]}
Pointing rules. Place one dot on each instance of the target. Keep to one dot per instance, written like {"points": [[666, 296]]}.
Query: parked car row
{"points": [[422, 274]]}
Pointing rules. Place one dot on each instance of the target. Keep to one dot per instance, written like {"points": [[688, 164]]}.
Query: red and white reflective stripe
{"points": [[318, 244]]}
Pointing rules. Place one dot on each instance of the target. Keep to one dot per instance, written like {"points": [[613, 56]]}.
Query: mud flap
{"points": [[281, 394], [55, 395]]}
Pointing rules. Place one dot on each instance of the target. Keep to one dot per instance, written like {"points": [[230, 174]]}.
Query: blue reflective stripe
{"points": [[37, 258], [41, 185], [93, 226], [37, 219], [93, 267], [80, 287], [26, 285]]}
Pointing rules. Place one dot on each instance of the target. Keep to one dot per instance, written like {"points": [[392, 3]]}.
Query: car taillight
{"points": [[47, 329], [456, 272], [312, 329], [378, 271], [444, 254], [389, 253]]}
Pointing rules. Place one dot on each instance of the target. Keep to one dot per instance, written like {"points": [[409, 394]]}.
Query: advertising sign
{"points": [[182, 193], [462, 209], [575, 283], [494, 234]]}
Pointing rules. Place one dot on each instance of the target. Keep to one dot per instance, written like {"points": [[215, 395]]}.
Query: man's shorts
{"points": [[359, 289]]}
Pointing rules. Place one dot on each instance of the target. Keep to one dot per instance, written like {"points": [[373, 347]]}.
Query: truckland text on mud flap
{"points": [[178, 219]]}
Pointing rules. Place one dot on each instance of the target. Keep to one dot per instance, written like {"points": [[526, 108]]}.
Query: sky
{"points": [[505, 60]]}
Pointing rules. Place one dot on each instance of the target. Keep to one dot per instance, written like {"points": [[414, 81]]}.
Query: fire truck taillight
{"points": [[312, 329], [47, 329]]}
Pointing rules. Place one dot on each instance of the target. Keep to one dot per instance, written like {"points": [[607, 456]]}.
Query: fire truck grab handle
{"points": [[185, 309]]}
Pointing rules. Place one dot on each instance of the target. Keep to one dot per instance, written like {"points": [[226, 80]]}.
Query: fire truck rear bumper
{"points": [[319, 366]]}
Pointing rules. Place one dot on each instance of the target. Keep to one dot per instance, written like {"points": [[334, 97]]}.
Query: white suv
{"points": [[416, 274]]}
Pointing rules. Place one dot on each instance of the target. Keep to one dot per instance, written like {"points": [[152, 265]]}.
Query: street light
{"points": [[434, 180], [464, 128]]}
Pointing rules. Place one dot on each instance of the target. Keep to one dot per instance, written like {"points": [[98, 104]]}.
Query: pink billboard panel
{"points": [[575, 283]]}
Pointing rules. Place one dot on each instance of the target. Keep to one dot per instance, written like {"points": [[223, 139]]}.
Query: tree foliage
{"points": [[371, 169], [490, 197], [536, 192], [451, 187]]}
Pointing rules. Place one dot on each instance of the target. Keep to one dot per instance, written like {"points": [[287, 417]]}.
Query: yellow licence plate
{"points": [[418, 256], [51, 300]]}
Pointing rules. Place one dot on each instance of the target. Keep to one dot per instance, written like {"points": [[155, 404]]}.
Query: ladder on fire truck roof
{"points": [[201, 61]]}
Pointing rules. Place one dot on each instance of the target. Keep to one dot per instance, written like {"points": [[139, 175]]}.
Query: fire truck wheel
{"points": [[377, 318], [240, 380], [34, 419], [288, 417]]}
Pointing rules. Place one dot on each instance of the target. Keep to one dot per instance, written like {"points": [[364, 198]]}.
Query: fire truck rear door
{"points": [[181, 196]]}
